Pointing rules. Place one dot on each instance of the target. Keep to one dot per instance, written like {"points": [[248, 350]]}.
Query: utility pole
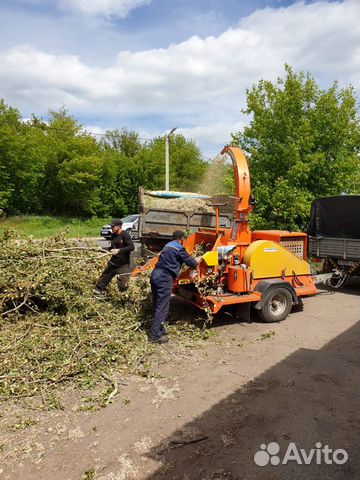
{"points": [[167, 136]]}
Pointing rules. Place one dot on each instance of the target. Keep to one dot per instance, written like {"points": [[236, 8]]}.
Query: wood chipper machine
{"points": [[239, 268]]}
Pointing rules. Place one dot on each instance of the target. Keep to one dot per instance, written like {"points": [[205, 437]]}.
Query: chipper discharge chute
{"points": [[238, 267]]}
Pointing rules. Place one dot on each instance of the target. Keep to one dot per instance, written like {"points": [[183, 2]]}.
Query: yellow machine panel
{"points": [[211, 258], [268, 259]]}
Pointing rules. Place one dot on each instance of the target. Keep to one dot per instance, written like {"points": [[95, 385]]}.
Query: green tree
{"points": [[21, 163], [55, 167], [121, 171], [72, 169], [302, 142], [187, 166], [130, 165], [80, 180], [9, 125], [124, 141]]}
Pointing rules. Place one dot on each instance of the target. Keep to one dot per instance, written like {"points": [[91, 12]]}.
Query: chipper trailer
{"points": [[240, 268]]}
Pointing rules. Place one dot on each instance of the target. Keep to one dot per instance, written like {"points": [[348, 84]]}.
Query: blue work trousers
{"points": [[161, 286]]}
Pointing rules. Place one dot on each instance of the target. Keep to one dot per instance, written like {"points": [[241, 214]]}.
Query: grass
{"points": [[21, 424], [46, 226], [89, 474], [268, 334]]}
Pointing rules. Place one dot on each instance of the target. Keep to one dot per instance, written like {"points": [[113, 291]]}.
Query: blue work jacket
{"points": [[173, 256]]}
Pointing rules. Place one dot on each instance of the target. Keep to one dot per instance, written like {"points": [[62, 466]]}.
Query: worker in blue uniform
{"points": [[168, 266]]}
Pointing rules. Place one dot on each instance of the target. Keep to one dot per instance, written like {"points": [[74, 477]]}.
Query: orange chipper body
{"points": [[242, 267]]}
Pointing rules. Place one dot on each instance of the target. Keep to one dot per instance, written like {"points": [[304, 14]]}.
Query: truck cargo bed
{"points": [[334, 232], [158, 223], [337, 248]]}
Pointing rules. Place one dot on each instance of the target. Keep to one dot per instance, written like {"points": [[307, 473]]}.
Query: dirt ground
{"points": [[206, 412]]}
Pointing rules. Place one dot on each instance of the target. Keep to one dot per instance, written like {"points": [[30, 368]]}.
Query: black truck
{"points": [[334, 235]]}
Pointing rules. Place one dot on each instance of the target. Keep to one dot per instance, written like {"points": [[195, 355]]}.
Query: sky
{"points": [[151, 65]]}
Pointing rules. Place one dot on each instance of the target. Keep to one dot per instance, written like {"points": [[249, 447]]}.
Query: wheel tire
{"points": [[277, 305]]}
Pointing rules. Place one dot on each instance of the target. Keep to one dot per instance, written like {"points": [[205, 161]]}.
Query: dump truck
{"points": [[334, 236], [163, 212]]}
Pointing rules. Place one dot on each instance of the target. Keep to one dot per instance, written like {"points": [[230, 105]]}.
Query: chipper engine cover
{"points": [[268, 259]]}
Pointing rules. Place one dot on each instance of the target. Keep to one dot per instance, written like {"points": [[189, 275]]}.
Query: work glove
{"points": [[115, 251]]}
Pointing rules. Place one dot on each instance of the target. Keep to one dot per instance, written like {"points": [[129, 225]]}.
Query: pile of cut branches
{"points": [[52, 327]]}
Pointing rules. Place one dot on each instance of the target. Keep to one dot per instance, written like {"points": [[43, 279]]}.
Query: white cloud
{"points": [[94, 130], [106, 8], [212, 134], [196, 82]]}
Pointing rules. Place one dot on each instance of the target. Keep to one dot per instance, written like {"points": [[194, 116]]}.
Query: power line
{"points": [[45, 128]]}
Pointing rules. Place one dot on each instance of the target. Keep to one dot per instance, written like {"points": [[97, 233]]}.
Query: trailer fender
{"points": [[265, 287]]}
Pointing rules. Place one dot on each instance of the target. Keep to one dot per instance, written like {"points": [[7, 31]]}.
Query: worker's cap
{"points": [[178, 234], [116, 222]]}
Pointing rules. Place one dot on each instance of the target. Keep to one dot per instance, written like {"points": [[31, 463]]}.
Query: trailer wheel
{"points": [[276, 306]]}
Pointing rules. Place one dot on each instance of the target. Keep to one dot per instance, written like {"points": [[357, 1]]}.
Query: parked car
{"points": [[130, 224]]}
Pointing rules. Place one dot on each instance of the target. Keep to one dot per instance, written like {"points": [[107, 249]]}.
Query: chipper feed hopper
{"points": [[267, 269]]}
